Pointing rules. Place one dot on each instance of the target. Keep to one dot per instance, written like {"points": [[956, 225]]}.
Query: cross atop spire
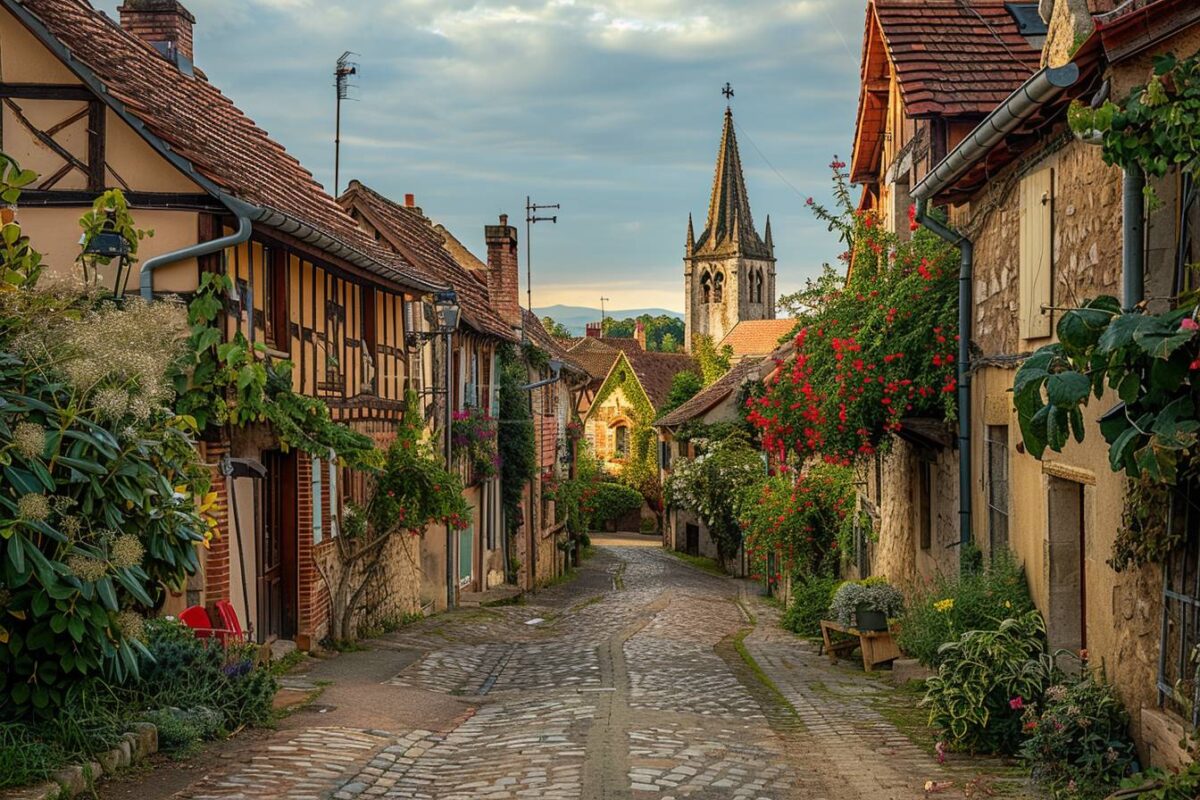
{"points": [[730, 228], [727, 90]]}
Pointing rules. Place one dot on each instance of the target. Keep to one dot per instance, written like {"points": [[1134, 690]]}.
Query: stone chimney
{"points": [[1069, 22], [503, 275], [165, 24], [639, 333], [595, 330]]}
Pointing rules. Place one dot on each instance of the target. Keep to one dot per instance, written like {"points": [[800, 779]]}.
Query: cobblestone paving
{"points": [[630, 686]]}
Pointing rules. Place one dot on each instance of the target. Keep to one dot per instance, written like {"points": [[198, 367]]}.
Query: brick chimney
{"points": [[503, 275], [410, 201], [639, 333], [165, 24], [595, 330]]}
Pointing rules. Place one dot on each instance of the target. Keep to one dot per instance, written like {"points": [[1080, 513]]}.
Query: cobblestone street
{"points": [[631, 681]]}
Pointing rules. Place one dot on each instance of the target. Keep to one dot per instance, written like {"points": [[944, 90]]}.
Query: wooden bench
{"points": [[877, 647]]}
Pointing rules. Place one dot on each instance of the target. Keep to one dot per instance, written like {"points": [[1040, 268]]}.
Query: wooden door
{"points": [[276, 547]]}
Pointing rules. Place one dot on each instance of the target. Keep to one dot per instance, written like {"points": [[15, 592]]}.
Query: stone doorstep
{"points": [[494, 595], [76, 779]]}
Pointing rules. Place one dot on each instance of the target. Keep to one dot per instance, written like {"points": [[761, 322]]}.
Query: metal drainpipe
{"points": [[448, 443], [965, 308], [242, 234], [1133, 261]]}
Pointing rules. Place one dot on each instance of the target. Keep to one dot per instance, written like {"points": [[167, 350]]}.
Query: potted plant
{"points": [[866, 605]]}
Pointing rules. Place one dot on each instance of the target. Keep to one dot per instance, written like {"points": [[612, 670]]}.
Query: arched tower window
{"points": [[719, 288], [706, 288], [759, 293]]}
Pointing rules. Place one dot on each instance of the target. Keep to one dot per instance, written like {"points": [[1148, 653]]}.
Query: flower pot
{"points": [[867, 619]]}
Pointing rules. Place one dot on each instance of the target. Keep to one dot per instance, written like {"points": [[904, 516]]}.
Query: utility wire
{"points": [[763, 156]]}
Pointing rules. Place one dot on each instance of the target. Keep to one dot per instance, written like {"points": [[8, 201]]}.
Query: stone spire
{"points": [[730, 226], [767, 236], [691, 238]]}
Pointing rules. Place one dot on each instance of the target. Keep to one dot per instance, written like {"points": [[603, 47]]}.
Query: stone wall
{"points": [[898, 554]]}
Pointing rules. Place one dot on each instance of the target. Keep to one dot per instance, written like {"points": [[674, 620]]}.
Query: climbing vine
{"points": [[871, 353], [1151, 361], [232, 382], [641, 465]]}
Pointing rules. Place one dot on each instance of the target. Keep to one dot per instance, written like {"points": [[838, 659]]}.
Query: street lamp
{"points": [[101, 249], [445, 316]]}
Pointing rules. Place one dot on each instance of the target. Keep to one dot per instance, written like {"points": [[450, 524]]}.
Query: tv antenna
{"points": [[346, 69]]}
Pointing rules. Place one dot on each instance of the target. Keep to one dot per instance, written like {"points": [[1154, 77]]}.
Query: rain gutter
{"points": [[1021, 105]]}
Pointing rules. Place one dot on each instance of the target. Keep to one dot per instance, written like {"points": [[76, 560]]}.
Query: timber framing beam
{"points": [[160, 200]]}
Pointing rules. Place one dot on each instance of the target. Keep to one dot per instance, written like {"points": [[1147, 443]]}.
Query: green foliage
{"points": [[713, 363], [473, 436], [20, 264], [1155, 126], [640, 470], [231, 382], [1148, 361], [184, 672], [985, 680], [612, 501], [26, 759], [515, 441], [944, 608], [1078, 745], [555, 328], [663, 333], [97, 515], [684, 386], [711, 485], [806, 519], [875, 595], [811, 596], [109, 214], [648, 525], [1157, 784]]}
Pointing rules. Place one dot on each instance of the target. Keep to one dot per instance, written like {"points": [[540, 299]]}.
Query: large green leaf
{"points": [[1068, 389]]}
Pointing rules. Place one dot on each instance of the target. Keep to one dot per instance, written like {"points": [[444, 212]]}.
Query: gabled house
{"points": [[1049, 229], [478, 552], [930, 73], [91, 104], [627, 402], [718, 403]]}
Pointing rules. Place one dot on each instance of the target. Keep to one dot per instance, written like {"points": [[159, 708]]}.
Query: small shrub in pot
{"points": [[867, 604]]}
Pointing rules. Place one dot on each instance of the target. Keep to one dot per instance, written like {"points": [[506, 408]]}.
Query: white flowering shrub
{"points": [[711, 485], [98, 478]]}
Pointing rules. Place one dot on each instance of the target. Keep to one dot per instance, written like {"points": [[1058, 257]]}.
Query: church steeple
{"points": [[730, 227]]}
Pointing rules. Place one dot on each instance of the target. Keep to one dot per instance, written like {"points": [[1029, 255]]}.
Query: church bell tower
{"points": [[729, 270]]}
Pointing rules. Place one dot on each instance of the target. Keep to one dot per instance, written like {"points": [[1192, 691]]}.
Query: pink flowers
{"points": [[1016, 703], [1189, 324]]}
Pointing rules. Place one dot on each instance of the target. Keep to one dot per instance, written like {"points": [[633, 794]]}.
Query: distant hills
{"points": [[576, 318]]}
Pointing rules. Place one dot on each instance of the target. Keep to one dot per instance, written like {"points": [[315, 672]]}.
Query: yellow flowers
{"points": [[942, 606], [207, 505]]}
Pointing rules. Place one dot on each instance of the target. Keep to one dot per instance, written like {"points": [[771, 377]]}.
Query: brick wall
{"points": [[216, 558], [503, 271], [159, 21]]}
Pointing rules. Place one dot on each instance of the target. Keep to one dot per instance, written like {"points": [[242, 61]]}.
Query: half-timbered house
{"points": [[91, 104]]}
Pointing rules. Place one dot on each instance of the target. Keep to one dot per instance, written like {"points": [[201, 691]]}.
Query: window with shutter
{"points": [[1036, 254]]}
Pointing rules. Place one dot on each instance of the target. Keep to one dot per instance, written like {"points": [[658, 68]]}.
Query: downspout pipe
{"points": [[1133, 257], [966, 302], [245, 228]]}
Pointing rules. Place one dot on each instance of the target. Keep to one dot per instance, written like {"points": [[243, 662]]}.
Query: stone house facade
{"points": [[1048, 227], [930, 72]]}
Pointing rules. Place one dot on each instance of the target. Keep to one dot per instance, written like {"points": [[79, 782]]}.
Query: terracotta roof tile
{"points": [[656, 371], [757, 337], [954, 58], [712, 395], [595, 356], [411, 233], [203, 126], [539, 336]]}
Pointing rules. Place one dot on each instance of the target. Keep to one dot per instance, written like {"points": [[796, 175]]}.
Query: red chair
{"points": [[230, 621], [198, 620]]}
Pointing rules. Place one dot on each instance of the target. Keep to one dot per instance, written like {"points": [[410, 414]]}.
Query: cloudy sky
{"points": [[611, 108]]}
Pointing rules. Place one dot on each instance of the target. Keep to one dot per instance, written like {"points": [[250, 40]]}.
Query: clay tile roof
{"points": [[757, 337], [712, 395], [202, 126], [411, 233], [952, 57], [595, 356], [540, 337], [656, 371]]}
